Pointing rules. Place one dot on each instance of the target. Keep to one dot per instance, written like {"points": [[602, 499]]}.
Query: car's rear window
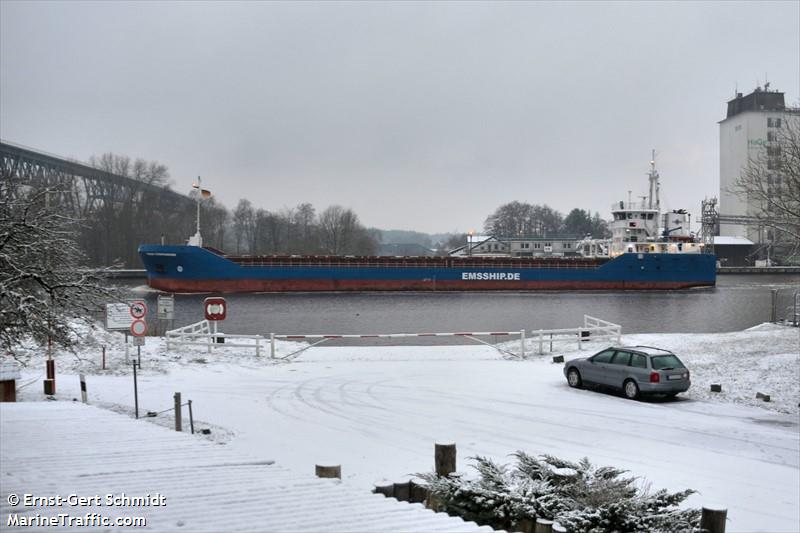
{"points": [[666, 361]]}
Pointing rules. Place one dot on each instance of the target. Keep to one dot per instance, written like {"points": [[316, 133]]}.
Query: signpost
{"points": [[215, 310], [138, 326]]}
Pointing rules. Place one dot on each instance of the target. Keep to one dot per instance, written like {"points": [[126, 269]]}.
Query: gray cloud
{"points": [[421, 116]]}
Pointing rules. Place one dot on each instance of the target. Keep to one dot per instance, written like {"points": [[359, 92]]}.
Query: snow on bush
{"points": [[580, 496]]}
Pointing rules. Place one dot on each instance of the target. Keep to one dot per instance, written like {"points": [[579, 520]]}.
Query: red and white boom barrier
{"points": [[469, 334]]}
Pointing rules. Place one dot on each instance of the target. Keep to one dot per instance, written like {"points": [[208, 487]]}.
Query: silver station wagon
{"points": [[636, 370]]}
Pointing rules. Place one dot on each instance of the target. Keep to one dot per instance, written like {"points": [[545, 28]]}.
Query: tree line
{"points": [[520, 219]]}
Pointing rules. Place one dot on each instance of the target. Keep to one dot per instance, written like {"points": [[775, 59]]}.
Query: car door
{"points": [[596, 367], [618, 369]]}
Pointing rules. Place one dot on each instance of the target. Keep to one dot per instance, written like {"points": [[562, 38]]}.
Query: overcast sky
{"points": [[423, 116]]}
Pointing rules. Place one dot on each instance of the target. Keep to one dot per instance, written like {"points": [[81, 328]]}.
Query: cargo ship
{"points": [[641, 255]]}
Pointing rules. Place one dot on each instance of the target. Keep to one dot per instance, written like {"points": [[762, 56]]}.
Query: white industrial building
{"points": [[749, 132]]}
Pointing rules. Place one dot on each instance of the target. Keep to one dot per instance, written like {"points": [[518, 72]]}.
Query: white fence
{"points": [[593, 329], [201, 334]]}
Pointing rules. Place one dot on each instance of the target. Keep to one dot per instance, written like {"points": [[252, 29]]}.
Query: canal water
{"points": [[737, 302]]}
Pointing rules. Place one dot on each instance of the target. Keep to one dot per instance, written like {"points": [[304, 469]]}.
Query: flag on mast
{"points": [[205, 193]]}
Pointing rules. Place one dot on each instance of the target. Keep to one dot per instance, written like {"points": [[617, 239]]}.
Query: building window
{"points": [[773, 122], [548, 244], [772, 136], [567, 245], [537, 245], [773, 150]]}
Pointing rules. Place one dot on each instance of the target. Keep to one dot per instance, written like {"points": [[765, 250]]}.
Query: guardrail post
{"points": [[541, 340], [272, 345]]}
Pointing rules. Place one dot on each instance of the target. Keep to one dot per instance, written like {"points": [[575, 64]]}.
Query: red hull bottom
{"points": [[255, 285]]}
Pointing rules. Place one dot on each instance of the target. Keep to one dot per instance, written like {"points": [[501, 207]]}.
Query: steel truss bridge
{"points": [[76, 185], [117, 213]]}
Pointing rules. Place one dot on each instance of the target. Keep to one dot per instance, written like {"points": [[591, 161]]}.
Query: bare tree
{"points": [[44, 282], [244, 226], [342, 233], [770, 186]]}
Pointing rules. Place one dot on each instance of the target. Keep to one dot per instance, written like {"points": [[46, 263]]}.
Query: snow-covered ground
{"points": [[379, 410]]}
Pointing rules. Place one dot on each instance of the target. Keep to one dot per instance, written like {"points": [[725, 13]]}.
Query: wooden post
{"points": [[418, 491], [774, 314], [543, 526], [713, 519], [178, 421], [329, 471], [104, 357], [384, 487], [525, 526], [445, 458], [191, 418], [402, 491]]}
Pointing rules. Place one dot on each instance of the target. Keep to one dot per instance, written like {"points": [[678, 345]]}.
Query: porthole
{"points": [[180, 268]]}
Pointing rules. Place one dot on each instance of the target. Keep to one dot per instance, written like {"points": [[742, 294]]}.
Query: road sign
{"points": [[138, 341], [118, 316], [215, 308], [138, 328], [138, 309], [165, 307]]}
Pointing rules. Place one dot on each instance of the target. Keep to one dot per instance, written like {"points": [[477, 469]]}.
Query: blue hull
{"points": [[194, 269]]}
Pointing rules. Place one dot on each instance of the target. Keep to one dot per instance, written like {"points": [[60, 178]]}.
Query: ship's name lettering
{"points": [[490, 276]]}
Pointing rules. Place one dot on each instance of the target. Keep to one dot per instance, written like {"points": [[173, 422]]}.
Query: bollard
{"points": [[84, 397], [328, 471], [445, 458], [178, 421], [49, 387], [104, 357], [774, 314], [713, 519], [543, 526], [272, 345]]}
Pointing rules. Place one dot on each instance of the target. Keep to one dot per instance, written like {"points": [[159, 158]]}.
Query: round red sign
{"points": [[138, 309], [138, 328]]}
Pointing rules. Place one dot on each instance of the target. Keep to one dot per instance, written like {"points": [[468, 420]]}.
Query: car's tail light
{"points": [[655, 377]]}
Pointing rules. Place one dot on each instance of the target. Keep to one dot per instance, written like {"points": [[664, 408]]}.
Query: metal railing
{"points": [[201, 334], [593, 329]]}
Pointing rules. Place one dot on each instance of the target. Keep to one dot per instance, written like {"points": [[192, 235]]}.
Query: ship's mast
{"points": [[654, 185]]}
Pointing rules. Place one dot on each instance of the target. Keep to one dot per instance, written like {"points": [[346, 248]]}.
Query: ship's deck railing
{"points": [[377, 262], [203, 334]]}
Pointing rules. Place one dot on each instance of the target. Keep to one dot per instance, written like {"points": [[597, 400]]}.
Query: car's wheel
{"points": [[631, 389], [574, 378]]}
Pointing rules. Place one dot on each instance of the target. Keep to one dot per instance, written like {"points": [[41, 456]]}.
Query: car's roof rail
{"points": [[652, 348]]}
